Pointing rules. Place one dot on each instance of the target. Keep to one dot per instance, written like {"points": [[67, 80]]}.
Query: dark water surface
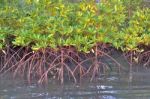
{"points": [[112, 86]]}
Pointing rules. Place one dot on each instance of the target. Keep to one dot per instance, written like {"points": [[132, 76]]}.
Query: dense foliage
{"points": [[56, 23]]}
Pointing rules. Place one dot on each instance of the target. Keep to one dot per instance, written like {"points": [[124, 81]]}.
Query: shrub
{"points": [[63, 24], [137, 33], [51, 32]]}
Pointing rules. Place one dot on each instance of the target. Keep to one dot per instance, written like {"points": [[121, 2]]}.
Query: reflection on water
{"points": [[112, 86]]}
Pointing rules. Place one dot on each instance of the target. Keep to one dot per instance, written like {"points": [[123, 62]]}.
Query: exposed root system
{"points": [[66, 62]]}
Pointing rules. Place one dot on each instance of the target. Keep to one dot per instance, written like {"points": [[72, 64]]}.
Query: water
{"points": [[112, 86]]}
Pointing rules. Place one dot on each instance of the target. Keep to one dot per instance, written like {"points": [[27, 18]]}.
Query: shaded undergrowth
{"points": [[138, 57]]}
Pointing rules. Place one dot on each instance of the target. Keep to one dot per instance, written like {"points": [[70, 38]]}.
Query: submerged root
{"points": [[45, 64]]}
